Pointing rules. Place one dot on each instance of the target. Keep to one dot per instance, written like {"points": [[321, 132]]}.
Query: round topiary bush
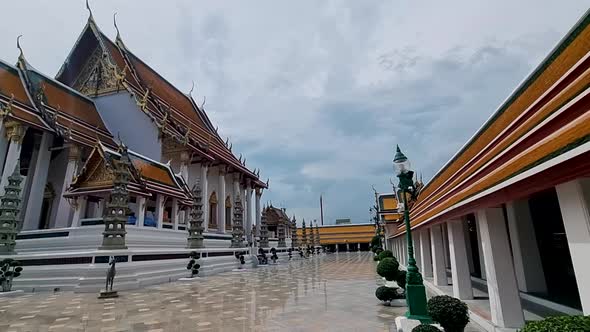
{"points": [[386, 294], [400, 278], [376, 258], [388, 268], [385, 254], [425, 328], [559, 323], [451, 313], [378, 251]]}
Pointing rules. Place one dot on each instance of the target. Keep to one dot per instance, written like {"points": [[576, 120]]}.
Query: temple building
{"points": [[277, 222], [70, 134], [336, 238], [505, 223]]}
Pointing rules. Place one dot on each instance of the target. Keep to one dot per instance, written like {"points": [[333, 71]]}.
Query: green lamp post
{"points": [[415, 291]]}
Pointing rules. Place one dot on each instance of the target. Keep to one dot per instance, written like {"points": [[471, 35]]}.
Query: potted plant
{"points": [[384, 254], [193, 266], [451, 313], [241, 260], [9, 269], [262, 259], [388, 268], [290, 252]]}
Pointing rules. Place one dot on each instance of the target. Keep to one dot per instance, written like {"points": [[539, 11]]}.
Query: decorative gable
{"points": [[97, 76]]}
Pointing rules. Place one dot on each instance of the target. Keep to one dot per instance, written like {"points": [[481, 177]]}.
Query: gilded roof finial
{"points": [[21, 55], [118, 38], [89, 10], [190, 93]]}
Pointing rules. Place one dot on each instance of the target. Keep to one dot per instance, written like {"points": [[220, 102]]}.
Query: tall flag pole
{"points": [[321, 210]]}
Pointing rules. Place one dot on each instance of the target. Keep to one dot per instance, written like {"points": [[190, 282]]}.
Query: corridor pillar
{"points": [[462, 288], [426, 262], [505, 306], [439, 272], [574, 202]]}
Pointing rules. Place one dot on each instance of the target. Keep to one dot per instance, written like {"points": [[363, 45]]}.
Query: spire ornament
{"points": [[195, 223], [21, 56], [9, 210], [237, 233], [263, 240], [89, 11], [294, 240], [117, 207]]}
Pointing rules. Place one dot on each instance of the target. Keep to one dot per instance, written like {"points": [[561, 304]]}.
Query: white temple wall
{"points": [[123, 118], [194, 174]]}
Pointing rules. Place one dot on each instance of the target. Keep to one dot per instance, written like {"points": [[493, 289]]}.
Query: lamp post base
{"points": [[416, 299]]}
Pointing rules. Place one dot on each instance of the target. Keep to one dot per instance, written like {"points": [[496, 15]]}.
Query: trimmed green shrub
{"points": [[400, 278], [375, 243], [376, 258], [385, 254], [451, 313], [425, 328], [388, 268], [378, 251], [386, 294], [559, 323]]}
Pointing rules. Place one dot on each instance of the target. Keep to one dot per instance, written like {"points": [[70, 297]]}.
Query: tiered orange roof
{"points": [[40, 102], [147, 176], [175, 113]]}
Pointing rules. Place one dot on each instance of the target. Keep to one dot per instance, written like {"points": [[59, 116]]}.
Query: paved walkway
{"points": [[332, 292]]}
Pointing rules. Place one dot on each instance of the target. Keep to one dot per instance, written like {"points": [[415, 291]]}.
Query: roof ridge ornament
{"points": [[190, 93], [21, 56], [90, 17], [118, 37]]}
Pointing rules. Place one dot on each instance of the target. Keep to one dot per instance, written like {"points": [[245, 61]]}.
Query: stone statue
{"points": [[111, 272]]}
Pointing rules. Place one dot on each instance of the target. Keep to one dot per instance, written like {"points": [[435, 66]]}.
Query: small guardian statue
{"points": [[111, 272]]}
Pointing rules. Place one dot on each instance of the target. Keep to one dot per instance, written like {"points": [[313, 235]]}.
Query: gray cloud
{"points": [[317, 94]]}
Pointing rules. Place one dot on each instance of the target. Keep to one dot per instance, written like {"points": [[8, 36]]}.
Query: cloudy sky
{"points": [[317, 93]]}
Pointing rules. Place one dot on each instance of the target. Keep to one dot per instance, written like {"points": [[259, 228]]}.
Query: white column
{"points": [[258, 215], [160, 210], [505, 306], [248, 205], [439, 271], [574, 202], [175, 213], [141, 203], [205, 191], [39, 180], [482, 261], [426, 266], [221, 202], [15, 132], [79, 210], [459, 264], [64, 210], [525, 251]]}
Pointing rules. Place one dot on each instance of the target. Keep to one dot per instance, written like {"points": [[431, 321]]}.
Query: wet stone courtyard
{"points": [[333, 292]]}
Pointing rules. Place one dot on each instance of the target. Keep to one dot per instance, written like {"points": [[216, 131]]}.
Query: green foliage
{"points": [[376, 258], [388, 268], [376, 243], [425, 328], [385, 254], [400, 278], [386, 294], [559, 323], [451, 313], [9, 269]]}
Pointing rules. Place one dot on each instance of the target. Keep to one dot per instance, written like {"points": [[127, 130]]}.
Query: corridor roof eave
{"points": [[545, 118]]}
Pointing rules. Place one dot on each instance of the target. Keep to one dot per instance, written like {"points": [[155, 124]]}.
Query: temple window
{"points": [[213, 211], [228, 213]]}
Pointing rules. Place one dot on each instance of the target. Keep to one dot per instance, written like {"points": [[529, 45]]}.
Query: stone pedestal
{"points": [[108, 294]]}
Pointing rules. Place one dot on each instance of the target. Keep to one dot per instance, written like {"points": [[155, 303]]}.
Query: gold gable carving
{"points": [[97, 76], [97, 175]]}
